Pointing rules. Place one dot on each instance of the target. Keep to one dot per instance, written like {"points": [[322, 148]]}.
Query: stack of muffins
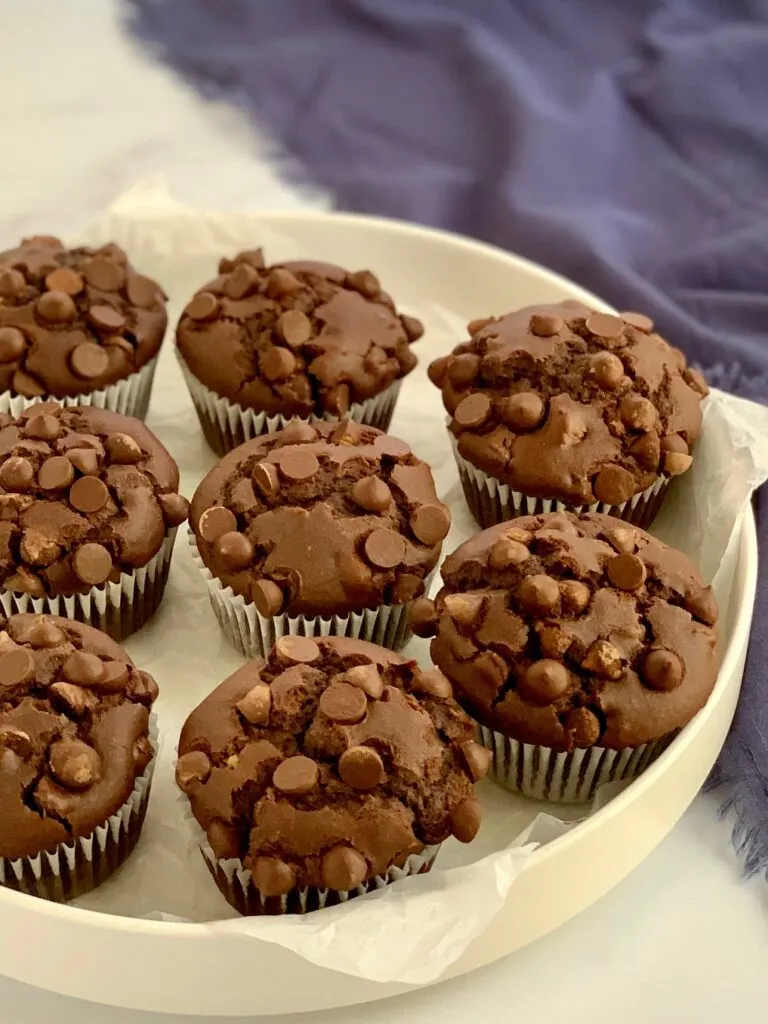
{"points": [[569, 646]]}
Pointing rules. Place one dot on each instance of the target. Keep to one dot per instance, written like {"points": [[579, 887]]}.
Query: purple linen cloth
{"points": [[623, 144]]}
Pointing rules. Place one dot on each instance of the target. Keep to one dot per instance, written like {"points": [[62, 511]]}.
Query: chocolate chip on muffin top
{"points": [[84, 494], [74, 731], [329, 764], [297, 338], [320, 520], [74, 320], [573, 631], [567, 403]]}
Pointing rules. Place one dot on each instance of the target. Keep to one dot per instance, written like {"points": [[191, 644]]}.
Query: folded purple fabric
{"points": [[623, 144]]}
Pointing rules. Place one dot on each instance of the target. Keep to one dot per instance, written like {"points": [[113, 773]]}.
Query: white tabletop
{"points": [[684, 938]]}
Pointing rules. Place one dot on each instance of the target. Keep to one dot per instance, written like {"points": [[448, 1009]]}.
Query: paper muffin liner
{"points": [[254, 635], [492, 502], [129, 397], [227, 425], [570, 777], [117, 609], [75, 868], [236, 884]]}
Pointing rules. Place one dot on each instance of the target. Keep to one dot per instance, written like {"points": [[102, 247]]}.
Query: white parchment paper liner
{"points": [[413, 930]]}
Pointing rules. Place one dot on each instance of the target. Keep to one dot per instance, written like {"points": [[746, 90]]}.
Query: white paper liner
{"points": [[571, 777], [118, 609], [493, 502], [254, 635], [227, 425], [129, 397]]}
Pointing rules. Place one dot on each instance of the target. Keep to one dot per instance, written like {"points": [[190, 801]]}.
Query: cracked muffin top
{"points": [[299, 338], [74, 731], [330, 763], [320, 520], [573, 631], [74, 320], [566, 403]]}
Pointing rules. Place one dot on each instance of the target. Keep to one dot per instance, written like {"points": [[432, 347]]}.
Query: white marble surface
{"points": [[684, 938]]}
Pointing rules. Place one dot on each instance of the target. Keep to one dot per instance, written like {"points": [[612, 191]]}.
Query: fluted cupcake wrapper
{"points": [[117, 609], [570, 777], [129, 397], [227, 425], [254, 635], [81, 865], [492, 502]]}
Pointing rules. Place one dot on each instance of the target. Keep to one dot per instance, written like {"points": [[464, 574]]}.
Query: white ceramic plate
{"points": [[196, 969]]}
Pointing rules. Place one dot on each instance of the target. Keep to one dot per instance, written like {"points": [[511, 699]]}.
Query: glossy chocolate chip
{"points": [[202, 306], [544, 681], [432, 683], [104, 274], [367, 678], [583, 726], [44, 634], [702, 605], [296, 776], [123, 450], [627, 572], [272, 876], [175, 508], [298, 649], [372, 494], [267, 596], [365, 282], [88, 494], [277, 363], [361, 768], [604, 325], [56, 473], [298, 464], [235, 550], [476, 759], [70, 698], [92, 564], [43, 427], [638, 321], [215, 522], [343, 703], [675, 463], [603, 659], [106, 318], [614, 485], [17, 668], [56, 307], [544, 325], [385, 549], [255, 705], [12, 283], [538, 595], [464, 608], [463, 369], [393, 447], [637, 413], [294, 327], [191, 769], [430, 523], [17, 474], [522, 412], [506, 553], [86, 460], [75, 764], [607, 370], [12, 344], [89, 360], [662, 670], [466, 818], [472, 411], [83, 668], [575, 596]]}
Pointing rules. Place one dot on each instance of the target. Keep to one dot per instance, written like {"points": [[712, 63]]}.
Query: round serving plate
{"points": [[213, 969]]}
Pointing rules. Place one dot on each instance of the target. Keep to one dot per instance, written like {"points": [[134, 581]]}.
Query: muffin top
{"points": [[74, 731], [574, 631], [566, 403], [320, 520], [297, 338], [85, 494], [74, 320], [329, 763]]}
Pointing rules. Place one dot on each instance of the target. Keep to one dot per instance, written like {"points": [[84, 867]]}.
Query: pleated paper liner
{"points": [[130, 396], [570, 777], [117, 609], [492, 502], [227, 425], [254, 635]]}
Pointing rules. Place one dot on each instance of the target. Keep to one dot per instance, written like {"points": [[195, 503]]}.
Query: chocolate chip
{"points": [[123, 450], [543, 325], [56, 473], [92, 564], [255, 705], [675, 463], [475, 326], [506, 553], [297, 432], [406, 587], [12, 738], [637, 413], [343, 703], [464, 608], [696, 381], [614, 485], [337, 400], [554, 642], [674, 443], [12, 344], [294, 327], [267, 597], [86, 460], [422, 617], [296, 776], [242, 282], [627, 572], [224, 840], [367, 678], [70, 697], [88, 494], [638, 321], [544, 682], [265, 477], [235, 550], [114, 677], [56, 307], [191, 768], [202, 306], [83, 668], [361, 768], [75, 764], [646, 450], [414, 329], [432, 683], [299, 649], [343, 868], [583, 726], [282, 282], [298, 464], [662, 670], [390, 446], [106, 318], [215, 522], [702, 605], [604, 660], [104, 274], [142, 291], [38, 548], [89, 360], [175, 508], [24, 582], [476, 759], [430, 523], [44, 634], [347, 432], [607, 370], [385, 549], [17, 668], [463, 369], [12, 283], [365, 282], [466, 818], [437, 370], [43, 427], [603, 325], [272, 876], [25, 384], [472, 411], [372, 494], [523, 411], [277, 363], [17, 474], [539, 595], [145, 688]]}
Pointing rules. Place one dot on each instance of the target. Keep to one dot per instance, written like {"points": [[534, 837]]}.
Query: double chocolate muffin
{"points": [[317, 522], [76, 322], [580, 644], [563, 407], [75, 755], [260, 345], [88, 512], [331, 770]]}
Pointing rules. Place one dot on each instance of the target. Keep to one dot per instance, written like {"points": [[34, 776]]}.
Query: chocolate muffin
{"points": [[75, 755], [260, 345], [88, 514], [560, 406], [580, 644], [78, 326], [324, 528], [329, 771]]}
